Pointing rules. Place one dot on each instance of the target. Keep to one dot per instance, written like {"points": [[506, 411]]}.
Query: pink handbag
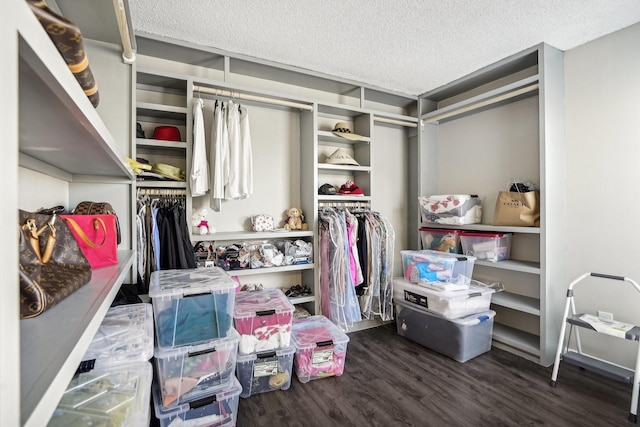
{"points": [[97, 237]]}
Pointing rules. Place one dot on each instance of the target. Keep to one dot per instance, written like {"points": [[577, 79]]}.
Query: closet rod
{"points": [[128, 55], [247, 97], [162, 192], [395, 122], [366, 204], [481, 104]]}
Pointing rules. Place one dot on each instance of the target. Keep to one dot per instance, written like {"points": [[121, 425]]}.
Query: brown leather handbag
{"points": [[52, 266], [66, 36]]}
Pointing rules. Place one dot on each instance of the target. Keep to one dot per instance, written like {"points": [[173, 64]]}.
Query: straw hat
{"points": [[342, 129], [168, 171], [341, 157]]}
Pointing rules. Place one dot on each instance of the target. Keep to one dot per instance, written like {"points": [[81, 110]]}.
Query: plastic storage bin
{"points": [[486, 246], [441, 240], [460, 339], [216, 410], [451, 209], [191, 306], [263, 319], [115, 396], [440, 270], [124, 336], [265, 371], [321, 348], [449, 304], [185, 374]]}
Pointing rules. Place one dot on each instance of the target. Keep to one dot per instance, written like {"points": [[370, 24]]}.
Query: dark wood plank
{"points": [[392, 381]]}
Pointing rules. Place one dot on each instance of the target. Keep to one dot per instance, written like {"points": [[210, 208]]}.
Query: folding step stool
{"points": [[590, 363]]}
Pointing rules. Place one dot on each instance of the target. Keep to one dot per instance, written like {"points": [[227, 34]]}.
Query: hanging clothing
{"points": [[246, 153], [199, 178], [232, 189], [349, 240], [163, 237], [219, 156]]}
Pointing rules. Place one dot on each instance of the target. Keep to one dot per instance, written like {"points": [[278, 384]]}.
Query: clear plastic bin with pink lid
{"points": [[263, 319], [321, 348]]}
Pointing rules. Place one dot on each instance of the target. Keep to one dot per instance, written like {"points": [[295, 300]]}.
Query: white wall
{"points": [[602, 95]]}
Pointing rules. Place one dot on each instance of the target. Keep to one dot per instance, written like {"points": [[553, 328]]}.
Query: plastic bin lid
{"points": [[477, 234], [118, 395], [177, 283], [427, 255], [221, 396], [473, 291], [468, 320], [125, 335], [220, 344], [316, 331], [261, 303], [440, 230], [280, 352]]}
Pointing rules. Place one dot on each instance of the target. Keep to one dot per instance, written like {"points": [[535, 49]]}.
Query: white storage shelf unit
{"points": [[501, 123], [60, 135]]}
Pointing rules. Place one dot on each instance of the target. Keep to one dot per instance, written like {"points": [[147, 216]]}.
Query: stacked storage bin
{"points": [[265, 361], [321, 348], [438, 306], [196, 348], [113, 384]]}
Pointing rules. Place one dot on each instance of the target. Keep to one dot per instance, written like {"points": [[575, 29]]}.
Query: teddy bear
{"points": [[200, 223], [295, 220]]}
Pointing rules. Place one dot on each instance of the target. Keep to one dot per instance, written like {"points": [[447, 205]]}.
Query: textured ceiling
{"points": [[406, 46]]}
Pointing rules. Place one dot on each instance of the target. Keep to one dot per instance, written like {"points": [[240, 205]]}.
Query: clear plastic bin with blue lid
{"points": [[321, 348], [115, 396], [438, 270], [188, 373], [124, 336], [216, 410], [191, 306]]}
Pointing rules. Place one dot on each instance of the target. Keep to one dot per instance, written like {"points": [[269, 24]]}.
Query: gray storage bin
{"points": [[460, 339]]}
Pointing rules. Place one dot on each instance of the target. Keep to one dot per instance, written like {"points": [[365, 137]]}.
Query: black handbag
{"points": [[52, 266]]}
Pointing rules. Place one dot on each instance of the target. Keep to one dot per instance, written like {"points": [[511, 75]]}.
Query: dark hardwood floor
{"points": [[391, 381]]}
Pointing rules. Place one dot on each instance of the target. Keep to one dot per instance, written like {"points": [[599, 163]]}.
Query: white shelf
{"points": [[53, 344], [344, 198], [160, 108], [45, 81], [484, 227], [271, 270], [330, 137], [517, 339], [250, 235], [516, 302], [324, 168], [513, 265], [157, 143]]}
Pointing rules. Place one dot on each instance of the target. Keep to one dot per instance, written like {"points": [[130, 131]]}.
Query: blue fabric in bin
{"points": [[194, 319]]}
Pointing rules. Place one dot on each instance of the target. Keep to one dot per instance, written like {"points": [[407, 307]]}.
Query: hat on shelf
{"points": [[167, 133], [327, 190], [350, 188], [139, 131], [342, 129], [168, 171], [341, 157]]}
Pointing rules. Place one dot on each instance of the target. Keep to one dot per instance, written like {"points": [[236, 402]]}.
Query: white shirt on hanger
{"points": [[219, 157], [199, 178]]}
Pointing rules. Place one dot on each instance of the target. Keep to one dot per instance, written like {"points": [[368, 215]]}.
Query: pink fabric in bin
{"points": [[304, 357], [263, 319]]}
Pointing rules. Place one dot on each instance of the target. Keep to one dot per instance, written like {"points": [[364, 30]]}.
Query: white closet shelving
{"points": [[60, 135], [481, 131]]}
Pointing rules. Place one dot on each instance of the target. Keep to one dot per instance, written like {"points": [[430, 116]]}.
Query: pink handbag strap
{"points": [[97, 223]]}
